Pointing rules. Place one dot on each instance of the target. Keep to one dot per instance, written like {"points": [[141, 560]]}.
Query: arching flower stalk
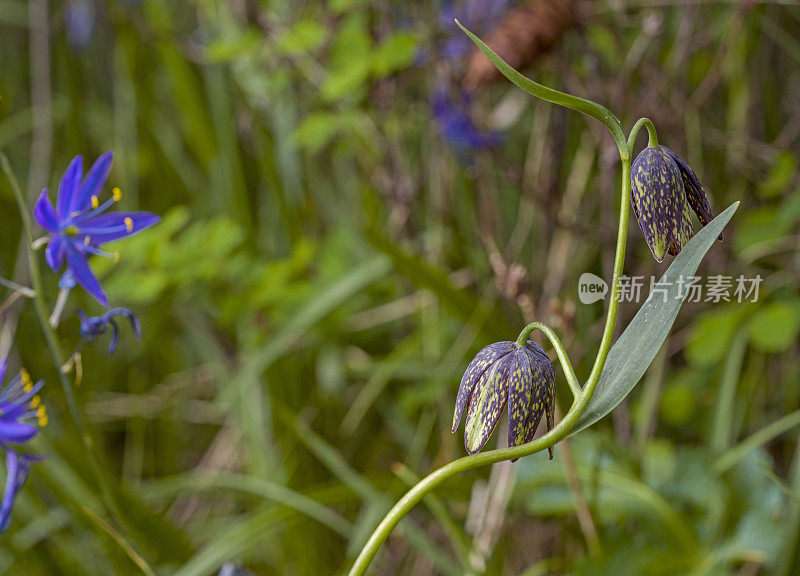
{"points": [[663, 190]]}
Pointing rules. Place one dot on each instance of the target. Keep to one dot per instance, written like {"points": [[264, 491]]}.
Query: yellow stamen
{"points": [[86, 240], [71, 230], [35, 402], [95, 202], [27, 384], [128, 224], [116, 256], [117, 194]]}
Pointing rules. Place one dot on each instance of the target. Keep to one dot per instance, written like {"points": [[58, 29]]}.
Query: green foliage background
{"points": [[327, 265]]}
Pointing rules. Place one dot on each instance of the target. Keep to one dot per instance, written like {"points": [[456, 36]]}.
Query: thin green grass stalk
{"points": [[57, 356], [722, 424], [729, 459], [277, 493], [650, 400]]}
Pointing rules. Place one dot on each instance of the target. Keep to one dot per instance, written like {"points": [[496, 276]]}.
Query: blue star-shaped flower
{"points": [[78, 225], [20, 404], [22, 415]]}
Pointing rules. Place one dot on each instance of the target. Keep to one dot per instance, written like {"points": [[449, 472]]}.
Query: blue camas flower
{"points": [[231, 569], [17, 468], [92, 326], [22, 415], [477, 15], [664, 192], [506, 373], [78, 225], [456, 124], [79, 16]]}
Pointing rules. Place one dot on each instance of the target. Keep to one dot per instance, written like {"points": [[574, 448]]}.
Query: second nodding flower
{"points": [[664, 192], [506, 373]]}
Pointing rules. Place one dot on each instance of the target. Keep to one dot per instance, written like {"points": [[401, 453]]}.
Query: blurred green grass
{"points": [[327, 265]]}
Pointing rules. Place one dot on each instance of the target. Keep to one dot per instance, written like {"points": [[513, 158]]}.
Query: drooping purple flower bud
{"points": [[664, 191], [92, 326]]}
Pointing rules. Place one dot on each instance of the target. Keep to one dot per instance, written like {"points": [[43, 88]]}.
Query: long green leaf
{"points": [[769, 432], [635, 349]]}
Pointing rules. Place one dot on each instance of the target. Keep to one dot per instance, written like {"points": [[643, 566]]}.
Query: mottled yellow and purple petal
{"points": [[473, 373], [520, 391], [543, 397], [656, 188], [695, 193], [685, 228], [486, 405]]}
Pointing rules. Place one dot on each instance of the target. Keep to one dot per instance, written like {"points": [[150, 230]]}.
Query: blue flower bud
{"points": [[92, 326]]}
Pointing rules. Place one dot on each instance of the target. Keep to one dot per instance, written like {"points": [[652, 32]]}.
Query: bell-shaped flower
{"points": [[505, 373], [92, 326], [664, 192], [78, 225]]}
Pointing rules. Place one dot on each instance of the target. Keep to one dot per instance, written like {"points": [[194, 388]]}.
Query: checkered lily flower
{"points": [[664, 192], [505, 373]]}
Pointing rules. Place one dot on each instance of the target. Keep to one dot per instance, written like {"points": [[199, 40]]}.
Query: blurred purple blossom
{"points": [[80, 19], [453, 116], [477, 15]]}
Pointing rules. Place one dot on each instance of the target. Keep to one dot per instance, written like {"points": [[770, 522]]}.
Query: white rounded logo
{"points": [[591, 288]]}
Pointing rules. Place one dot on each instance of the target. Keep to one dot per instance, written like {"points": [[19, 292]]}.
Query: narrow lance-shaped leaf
{"points": [[635, 349]]}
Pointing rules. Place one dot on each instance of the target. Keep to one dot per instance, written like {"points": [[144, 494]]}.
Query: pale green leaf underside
{"points": [[635, 349]]}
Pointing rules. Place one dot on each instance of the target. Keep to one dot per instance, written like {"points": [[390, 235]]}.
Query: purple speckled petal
{"points": [[656, 192], [487, 405], [544, 388], [474, 371], [520, 393], [695, 193], [685, 228]]}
